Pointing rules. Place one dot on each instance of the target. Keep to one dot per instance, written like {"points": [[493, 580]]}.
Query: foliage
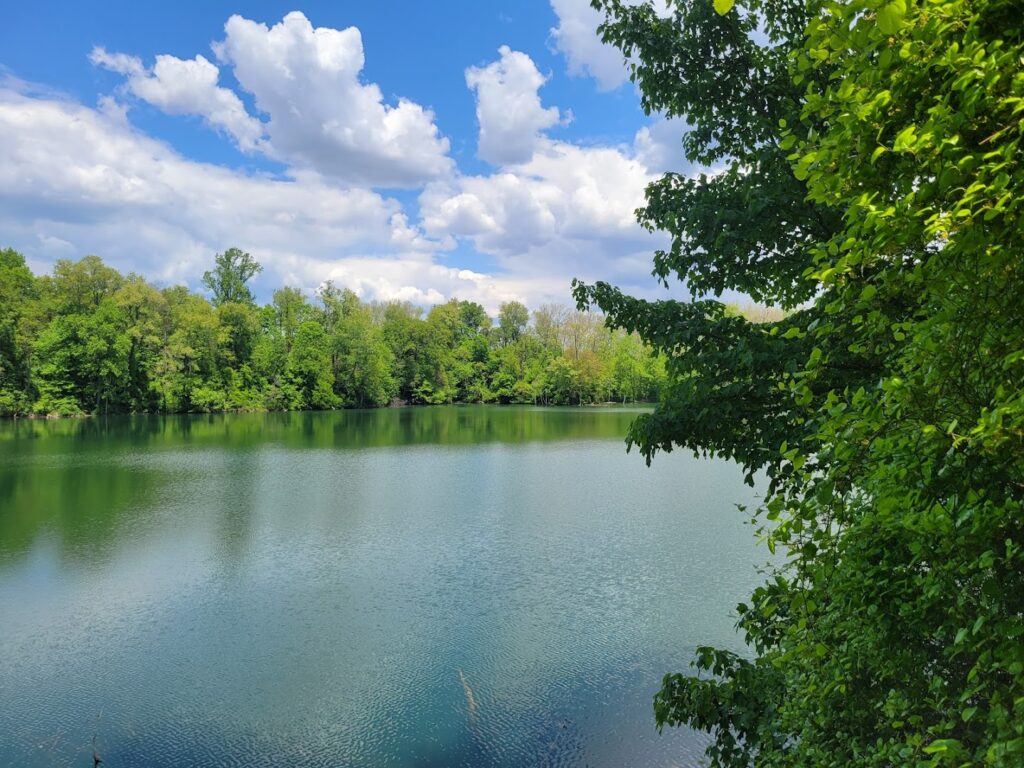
{"points": [[17, 289], [872, 184], [512, 320], [89, 340], [227, 280]]}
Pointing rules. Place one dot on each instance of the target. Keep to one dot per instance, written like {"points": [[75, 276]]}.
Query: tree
{"points": [[310, 366], [17, 289], [79, 286], [144, 318], [80, 360], [55, 370], [88, 340], [512, 320], [872, 184], [400, 331], [240, 325], [336, 304], [227, 280], [548, 322], [187, 378], [630, 375], [291, 308], [364, 361]]}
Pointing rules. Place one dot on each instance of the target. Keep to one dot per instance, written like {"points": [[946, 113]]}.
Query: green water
{"points": [[465, 586]]}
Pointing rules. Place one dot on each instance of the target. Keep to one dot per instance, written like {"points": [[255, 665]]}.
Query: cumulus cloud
{"points": [[566, 210], [586, 55], [86, 181], [425, 282], [320, 115], [659, 146], [508, 107], [549, 194], [565, 213], [75, 180], [563, 191], [576, 38], [180, 87], [305, 81]]}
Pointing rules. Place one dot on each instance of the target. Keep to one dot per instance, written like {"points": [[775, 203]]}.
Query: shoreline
{"points": [[391, 406]]}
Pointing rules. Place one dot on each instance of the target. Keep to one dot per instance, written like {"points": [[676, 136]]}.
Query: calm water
{"points": [[408, 587]]}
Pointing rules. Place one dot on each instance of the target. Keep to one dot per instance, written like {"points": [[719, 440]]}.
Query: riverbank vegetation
{"points": [[870, 178], [88, 339]]}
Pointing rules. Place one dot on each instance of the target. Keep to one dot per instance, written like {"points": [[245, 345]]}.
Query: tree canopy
{"points": [[227, 280], [87, 339], [870, 182]]}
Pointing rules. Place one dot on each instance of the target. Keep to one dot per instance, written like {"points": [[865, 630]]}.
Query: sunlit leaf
{"points": [[891, 15]]}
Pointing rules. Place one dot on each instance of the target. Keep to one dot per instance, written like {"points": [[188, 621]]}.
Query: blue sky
{"points": [[408, 150]]}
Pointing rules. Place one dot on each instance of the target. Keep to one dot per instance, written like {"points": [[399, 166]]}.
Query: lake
{"points": [[445, 586]]}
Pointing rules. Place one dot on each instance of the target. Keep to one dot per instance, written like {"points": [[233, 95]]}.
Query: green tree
{"points": [[79, 286], [143, 323], [80, 356], [309, 364], [240, 324], [561, 382], [86, 339], [186, 374], [364, 362], [444, 358], [291, 310], [512, 320], [56, 373], [548, 322], [873, 184], [631, 375], [400, 328], [17, 290], [227, 280]]}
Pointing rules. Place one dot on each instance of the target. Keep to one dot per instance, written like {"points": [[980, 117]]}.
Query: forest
{"points": [[88, 340]]}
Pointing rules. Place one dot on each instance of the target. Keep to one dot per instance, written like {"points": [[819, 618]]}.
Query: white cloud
{"points": [[180, 87], [586, 55], [306, 82], [122, 63], [508, 108], [320, 115], [659, 146], [562, 192], [422, 281], [75, 180], [567, 212], [77, 176], [576, 38]]}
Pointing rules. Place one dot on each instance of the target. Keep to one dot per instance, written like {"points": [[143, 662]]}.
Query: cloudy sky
{"points": [[404, 149]]}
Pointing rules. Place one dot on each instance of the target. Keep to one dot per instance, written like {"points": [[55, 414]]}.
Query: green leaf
{"points": [[890, 16], [941, 745], [724, 6], [904, 139]]}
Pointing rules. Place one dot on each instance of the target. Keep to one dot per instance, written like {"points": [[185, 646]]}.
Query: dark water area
{"points": [[451, 586]]}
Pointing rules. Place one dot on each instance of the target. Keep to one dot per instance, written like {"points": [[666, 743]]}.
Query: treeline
{"points": [[88, 339]]}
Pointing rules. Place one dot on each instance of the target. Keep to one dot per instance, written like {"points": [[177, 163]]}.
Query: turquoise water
{"points": [[465, 586]]}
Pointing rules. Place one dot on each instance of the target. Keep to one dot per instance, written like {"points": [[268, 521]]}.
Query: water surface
{"points": [[464, 586]]}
